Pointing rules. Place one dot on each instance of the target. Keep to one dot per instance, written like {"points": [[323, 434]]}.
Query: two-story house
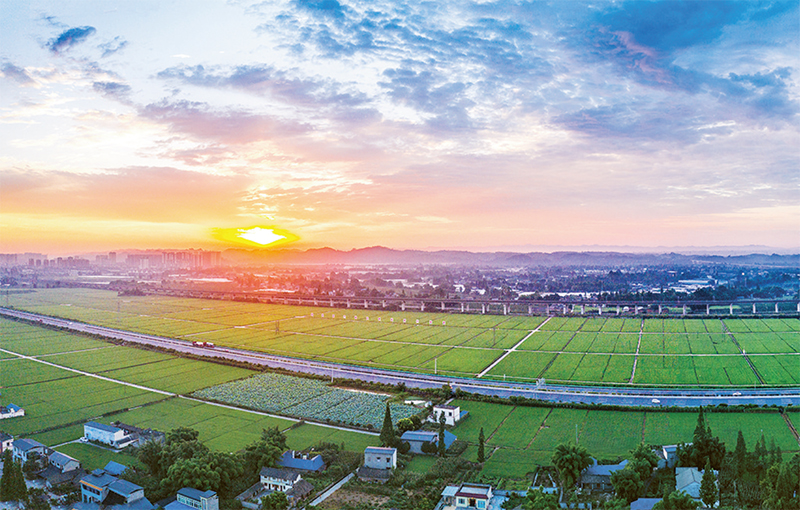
{"points": [[193, 499]]}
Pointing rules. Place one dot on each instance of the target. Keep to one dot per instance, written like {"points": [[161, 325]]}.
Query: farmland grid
{"points": [[606, 350]]}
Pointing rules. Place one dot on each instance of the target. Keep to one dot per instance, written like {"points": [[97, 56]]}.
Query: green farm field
{"points": [[58, 400], [523, 437], [593, 350]]}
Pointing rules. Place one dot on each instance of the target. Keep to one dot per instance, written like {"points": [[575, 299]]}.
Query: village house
{"points": [[24, 449], [193, 499], [597, 477], [102, 489], [287, 481], [61, 469], [378, 464], [417, 438], [6, 441], [688, 480], [107, 434], [470, 496], [452, 414], [301, 461], [11, 411]]}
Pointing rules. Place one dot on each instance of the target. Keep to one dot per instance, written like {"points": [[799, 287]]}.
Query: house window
{"points": [[462, 502]]}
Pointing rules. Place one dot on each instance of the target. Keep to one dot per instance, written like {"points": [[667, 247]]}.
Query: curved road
{"points": [[616, 396]]}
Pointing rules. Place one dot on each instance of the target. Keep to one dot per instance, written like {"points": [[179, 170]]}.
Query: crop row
{"points": [[306, 398]]}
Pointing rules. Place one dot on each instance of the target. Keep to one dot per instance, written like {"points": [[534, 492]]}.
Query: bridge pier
{"points": [[617, 309], [505, 309], [365, 304], [547, 310], [403, 306], [348, 303], [422, 306], [684, 309], [600, 309], [530, 310], [331, 303], [659, 309], [708, 309], [564, 311], [383, 303], [483, 308], [731, 308], [442, 305], [776, 307], [462, 307], [583, 309], [754, 308]]}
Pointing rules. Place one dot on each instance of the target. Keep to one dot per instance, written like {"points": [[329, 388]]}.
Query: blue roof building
{"points": [[301, 461], [416, 438], [115, 468]]}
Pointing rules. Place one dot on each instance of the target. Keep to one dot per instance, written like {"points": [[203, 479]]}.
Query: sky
{"points": [[412, 125]]}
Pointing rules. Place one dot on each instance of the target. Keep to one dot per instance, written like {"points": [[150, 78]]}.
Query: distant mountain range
{"points": [[379, 255]]}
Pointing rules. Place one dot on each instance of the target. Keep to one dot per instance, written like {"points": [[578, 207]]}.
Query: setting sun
{"points": [[255, 236]]}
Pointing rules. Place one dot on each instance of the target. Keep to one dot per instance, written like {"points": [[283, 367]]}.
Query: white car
{"points": [[737, 394], [655, 401]]}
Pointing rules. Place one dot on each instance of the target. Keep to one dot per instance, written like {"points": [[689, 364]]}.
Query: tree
{"points": [[708, 486], [387, 430], [150, 455], [570, 460], [441, 445], [538, 500], [195, 472], [781, 484], [740, 455], [627, 484], [676, 501], [481, 440], [275, 501], [646, 455], [404, 425], [12, 484], [264, 452], [37, 500]]}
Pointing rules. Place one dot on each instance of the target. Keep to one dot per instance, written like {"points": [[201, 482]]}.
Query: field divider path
{"points": [[636, 356], [76, 351], [509, 351], [746, 357]]}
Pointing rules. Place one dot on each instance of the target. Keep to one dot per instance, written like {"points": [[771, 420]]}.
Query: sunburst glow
{"points": [[260, 236]]}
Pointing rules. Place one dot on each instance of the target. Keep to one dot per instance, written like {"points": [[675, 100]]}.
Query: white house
{"points": [[63, 462], [380, 458], [452, 414], [286, 481], [467, 495], [378, 464], [193, 499], [6, 441], [106, 434], [11, 411]]}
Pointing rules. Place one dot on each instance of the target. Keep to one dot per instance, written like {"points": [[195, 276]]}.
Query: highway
{"points": [[615, 396]]}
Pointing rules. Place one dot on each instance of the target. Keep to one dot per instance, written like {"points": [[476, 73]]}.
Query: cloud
{"points": [[113, 46], [70, 38], [113, 90], [18, 74], [323, 8], [226, 126]]}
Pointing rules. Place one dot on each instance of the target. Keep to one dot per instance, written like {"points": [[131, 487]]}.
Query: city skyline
{"points": [[479, 126]]}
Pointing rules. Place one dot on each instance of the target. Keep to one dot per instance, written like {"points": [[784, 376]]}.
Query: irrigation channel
{"points": [[607, 395]]}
